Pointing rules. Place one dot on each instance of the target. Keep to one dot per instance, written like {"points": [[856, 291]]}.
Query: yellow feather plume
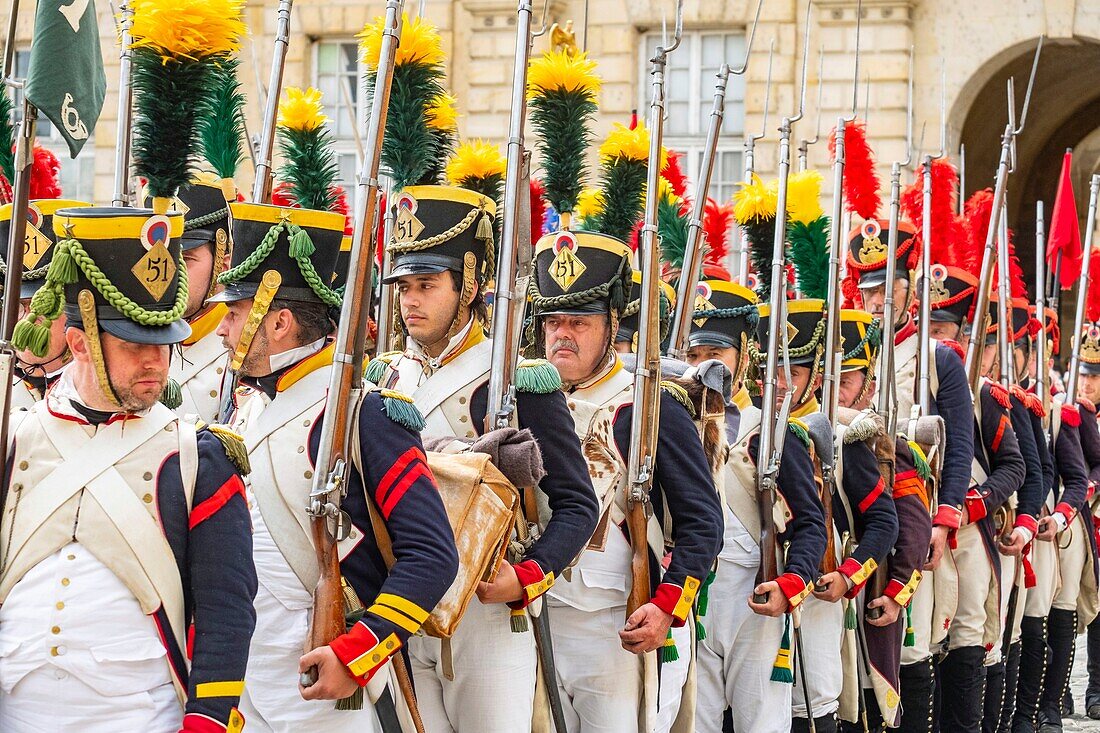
{"points": [[420, 42], [589, 203], [189, 29], [477, 159], [631, 144], [442, 114], [301, 110], [755, 200], [665, 191], [804, 196], [557, 70]]}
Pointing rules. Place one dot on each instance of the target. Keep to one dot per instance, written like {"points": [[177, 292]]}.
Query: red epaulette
{"points": [[1087, 404], [955, 346], [1070, 415], [1035, 405], [998, 392]]}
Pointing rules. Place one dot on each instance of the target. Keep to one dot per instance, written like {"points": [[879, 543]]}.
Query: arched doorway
{"points": [[1065, 113]]}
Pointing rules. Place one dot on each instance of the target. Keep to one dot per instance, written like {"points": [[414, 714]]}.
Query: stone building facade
{"points": [[973, 46]]}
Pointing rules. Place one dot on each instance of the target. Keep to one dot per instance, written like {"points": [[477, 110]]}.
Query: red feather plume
{"points": [[949, 240], [673, 172], [538, 210], [717, 221], [1092, 301], [978, 212], [861, 181], [44, 172]]}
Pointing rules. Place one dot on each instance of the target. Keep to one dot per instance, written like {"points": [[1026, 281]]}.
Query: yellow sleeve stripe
{"points": [[395, 617], [907, 591], [865, 571], [219, 689], [403, 605], [374, 656], [537, 589], [691, 588]]}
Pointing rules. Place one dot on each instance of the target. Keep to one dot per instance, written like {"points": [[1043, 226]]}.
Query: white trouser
{"points": [[966, 592], [51, 699], [921, 609], [736, 657], [600, 683], [674, 675], [1073, 555], [493, 685], [1010, 567], [822, 633], [1044, 561]]}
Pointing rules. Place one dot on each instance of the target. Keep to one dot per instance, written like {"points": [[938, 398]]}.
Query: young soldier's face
{"points": [[800, 378], [576, 344], [850, 387], [256, 362], [990, 366], [428, 305], [1088, 387], [944, 330], [200, 268], [728, 355]]}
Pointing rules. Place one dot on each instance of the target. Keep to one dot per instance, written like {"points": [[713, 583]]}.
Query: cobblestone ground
{"points": [[1080, 721]]}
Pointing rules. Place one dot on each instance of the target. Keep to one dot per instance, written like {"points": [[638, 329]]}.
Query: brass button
{"points": [[463, 418], [60, 605], [169, 428], [54, 651], [213, 393], [571, 404], [23, 465], [55, 630], [352, 534], [148, 498], [219, 370], [71, 557], [462, 400], [64, 581], [306, 423], [148, 476], [309, 474], [470, 434], [301, 449]]}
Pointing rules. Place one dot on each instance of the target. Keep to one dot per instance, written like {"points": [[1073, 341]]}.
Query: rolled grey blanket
{"points": [[514, 452]]}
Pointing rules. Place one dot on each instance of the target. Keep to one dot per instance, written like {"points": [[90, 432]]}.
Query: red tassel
{"points": [[999, 394], [861, 182], [1070, 416], [538, 210]]}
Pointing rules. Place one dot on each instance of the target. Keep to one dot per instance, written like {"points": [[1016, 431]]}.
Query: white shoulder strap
{"points": [[189, 460]]}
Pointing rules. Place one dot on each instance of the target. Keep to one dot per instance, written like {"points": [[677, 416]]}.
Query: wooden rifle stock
{"points": [[328, 621], [769, 559]]}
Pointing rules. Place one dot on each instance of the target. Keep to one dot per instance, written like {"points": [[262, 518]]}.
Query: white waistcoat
{"points": [[200, 371]]}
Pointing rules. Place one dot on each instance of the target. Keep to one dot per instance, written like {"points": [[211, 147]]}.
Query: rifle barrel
{"points": [[125, 108], [261, 187]]}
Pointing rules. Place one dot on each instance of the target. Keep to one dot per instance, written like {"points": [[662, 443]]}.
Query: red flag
{"points": [[1064, 235]]}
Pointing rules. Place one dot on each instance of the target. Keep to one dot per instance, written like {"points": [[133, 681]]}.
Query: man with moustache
{"points": [[483, 677], [127, 581]]}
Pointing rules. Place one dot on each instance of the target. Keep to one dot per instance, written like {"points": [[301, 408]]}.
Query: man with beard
{"points": [[277, 328], [483, 677], [128, 580], [583, 285]]}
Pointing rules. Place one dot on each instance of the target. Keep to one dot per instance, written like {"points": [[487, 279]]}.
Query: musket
{"points": [[1082, 292], [693, 248], [1041, 374], [261, 187], [125, 107], [1004, 305], [924, 358], [338, 429], [981, 301], [741, 251], [962, 178], [384, 314], [805, 143], [773, 416]]}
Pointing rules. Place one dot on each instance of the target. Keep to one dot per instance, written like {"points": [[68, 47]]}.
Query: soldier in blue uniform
{"points": [[135, 573], [738, 660], [278, 329]]}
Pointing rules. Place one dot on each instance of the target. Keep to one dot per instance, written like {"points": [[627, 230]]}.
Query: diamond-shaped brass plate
{"points": [[792, 332], [566, 268], [702, 304], [178, 205], [407, 227], [35, 246], [155, 270]]}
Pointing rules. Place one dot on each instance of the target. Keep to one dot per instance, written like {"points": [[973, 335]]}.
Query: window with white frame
{"points": [[337, 74], [689, 87], [77, 177]]}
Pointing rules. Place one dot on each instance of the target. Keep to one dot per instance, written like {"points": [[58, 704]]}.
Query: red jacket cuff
{"points": [[533, 581], [676, 601], [902, 593], [362, 653], [947, 516], [858, 574], [196, 723], [1066, 511], [1028, 522], [795, 588], [975, 506]]}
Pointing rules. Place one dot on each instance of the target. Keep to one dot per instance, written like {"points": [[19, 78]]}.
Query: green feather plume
{"points": [[761, 236], [223, 125], [169, 97], [7, 138], [622, 186], [809, 252], [412, 151], [672, 231], [310, 167], [563, 119]]}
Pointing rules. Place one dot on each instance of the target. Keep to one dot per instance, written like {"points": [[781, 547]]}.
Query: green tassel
{"points": [[537, 376], [700, 632], [63, 268], [484, 228], [668, 651], [704, 596], [32, 337], [781, 668], [172, 396], [850, 618], [402, 411], [799, 431], [920, 462], [376, 369], [910, 634], [679, 394], [353, 701], [47, 301], [517, 621], [301, 246]]}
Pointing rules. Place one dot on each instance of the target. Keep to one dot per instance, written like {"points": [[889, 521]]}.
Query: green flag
{"points": [[65, 79]]}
